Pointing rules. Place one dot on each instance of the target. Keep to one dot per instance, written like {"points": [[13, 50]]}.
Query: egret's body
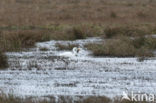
{"points": [[71, 54], [68, 55]]}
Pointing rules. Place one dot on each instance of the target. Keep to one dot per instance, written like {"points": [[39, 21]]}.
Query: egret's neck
{"points": [[75, 51]]}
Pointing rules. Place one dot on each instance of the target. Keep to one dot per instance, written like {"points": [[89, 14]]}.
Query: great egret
{"points": [[71, 54], [68, 55]]}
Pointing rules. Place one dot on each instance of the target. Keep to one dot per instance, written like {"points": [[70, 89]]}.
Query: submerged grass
{"points": [[43, 49]]}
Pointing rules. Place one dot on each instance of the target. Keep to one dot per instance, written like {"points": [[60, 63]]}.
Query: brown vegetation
{"points": [[65, 99], [15, 40], [3, 60], [131, 31], [43, 49], [24, 22], [66, 47], [124, 47], [47, 12]]}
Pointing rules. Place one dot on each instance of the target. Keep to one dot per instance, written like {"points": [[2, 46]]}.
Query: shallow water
{"points": [[43, 73]]}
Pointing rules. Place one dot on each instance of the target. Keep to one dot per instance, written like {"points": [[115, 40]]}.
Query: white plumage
{"points": [[67, 54], [70, 54]]}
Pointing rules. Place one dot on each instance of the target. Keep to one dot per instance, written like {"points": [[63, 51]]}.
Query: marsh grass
{"points": [[113, 15], [124, 47], [141, 14], [22, 25], [84, 31], [130, 31], [43, 49], [118, 100], [13, 99], [16, 40], [112, 48], [9, 99], [78, 33], [48, 12], [94, 99], [145, 42], [61, 99], [3, 61], [64, 99]]}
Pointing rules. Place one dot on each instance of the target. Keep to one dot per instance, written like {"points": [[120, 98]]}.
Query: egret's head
{"points": [[78, 50]]}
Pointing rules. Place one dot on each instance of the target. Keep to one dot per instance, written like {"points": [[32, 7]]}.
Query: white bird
{"points": [[68, 55], [74, 53]]}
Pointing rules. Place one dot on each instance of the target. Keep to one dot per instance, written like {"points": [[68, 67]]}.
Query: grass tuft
{"points": [[141, 14], [124, 31], [43, 49], [124, 47], [78, 33], [3, 61], [16, 40], [94, 99], [113, 15]]}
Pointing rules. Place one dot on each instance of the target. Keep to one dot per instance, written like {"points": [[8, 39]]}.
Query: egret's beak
{"points": [[78, 49]]}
